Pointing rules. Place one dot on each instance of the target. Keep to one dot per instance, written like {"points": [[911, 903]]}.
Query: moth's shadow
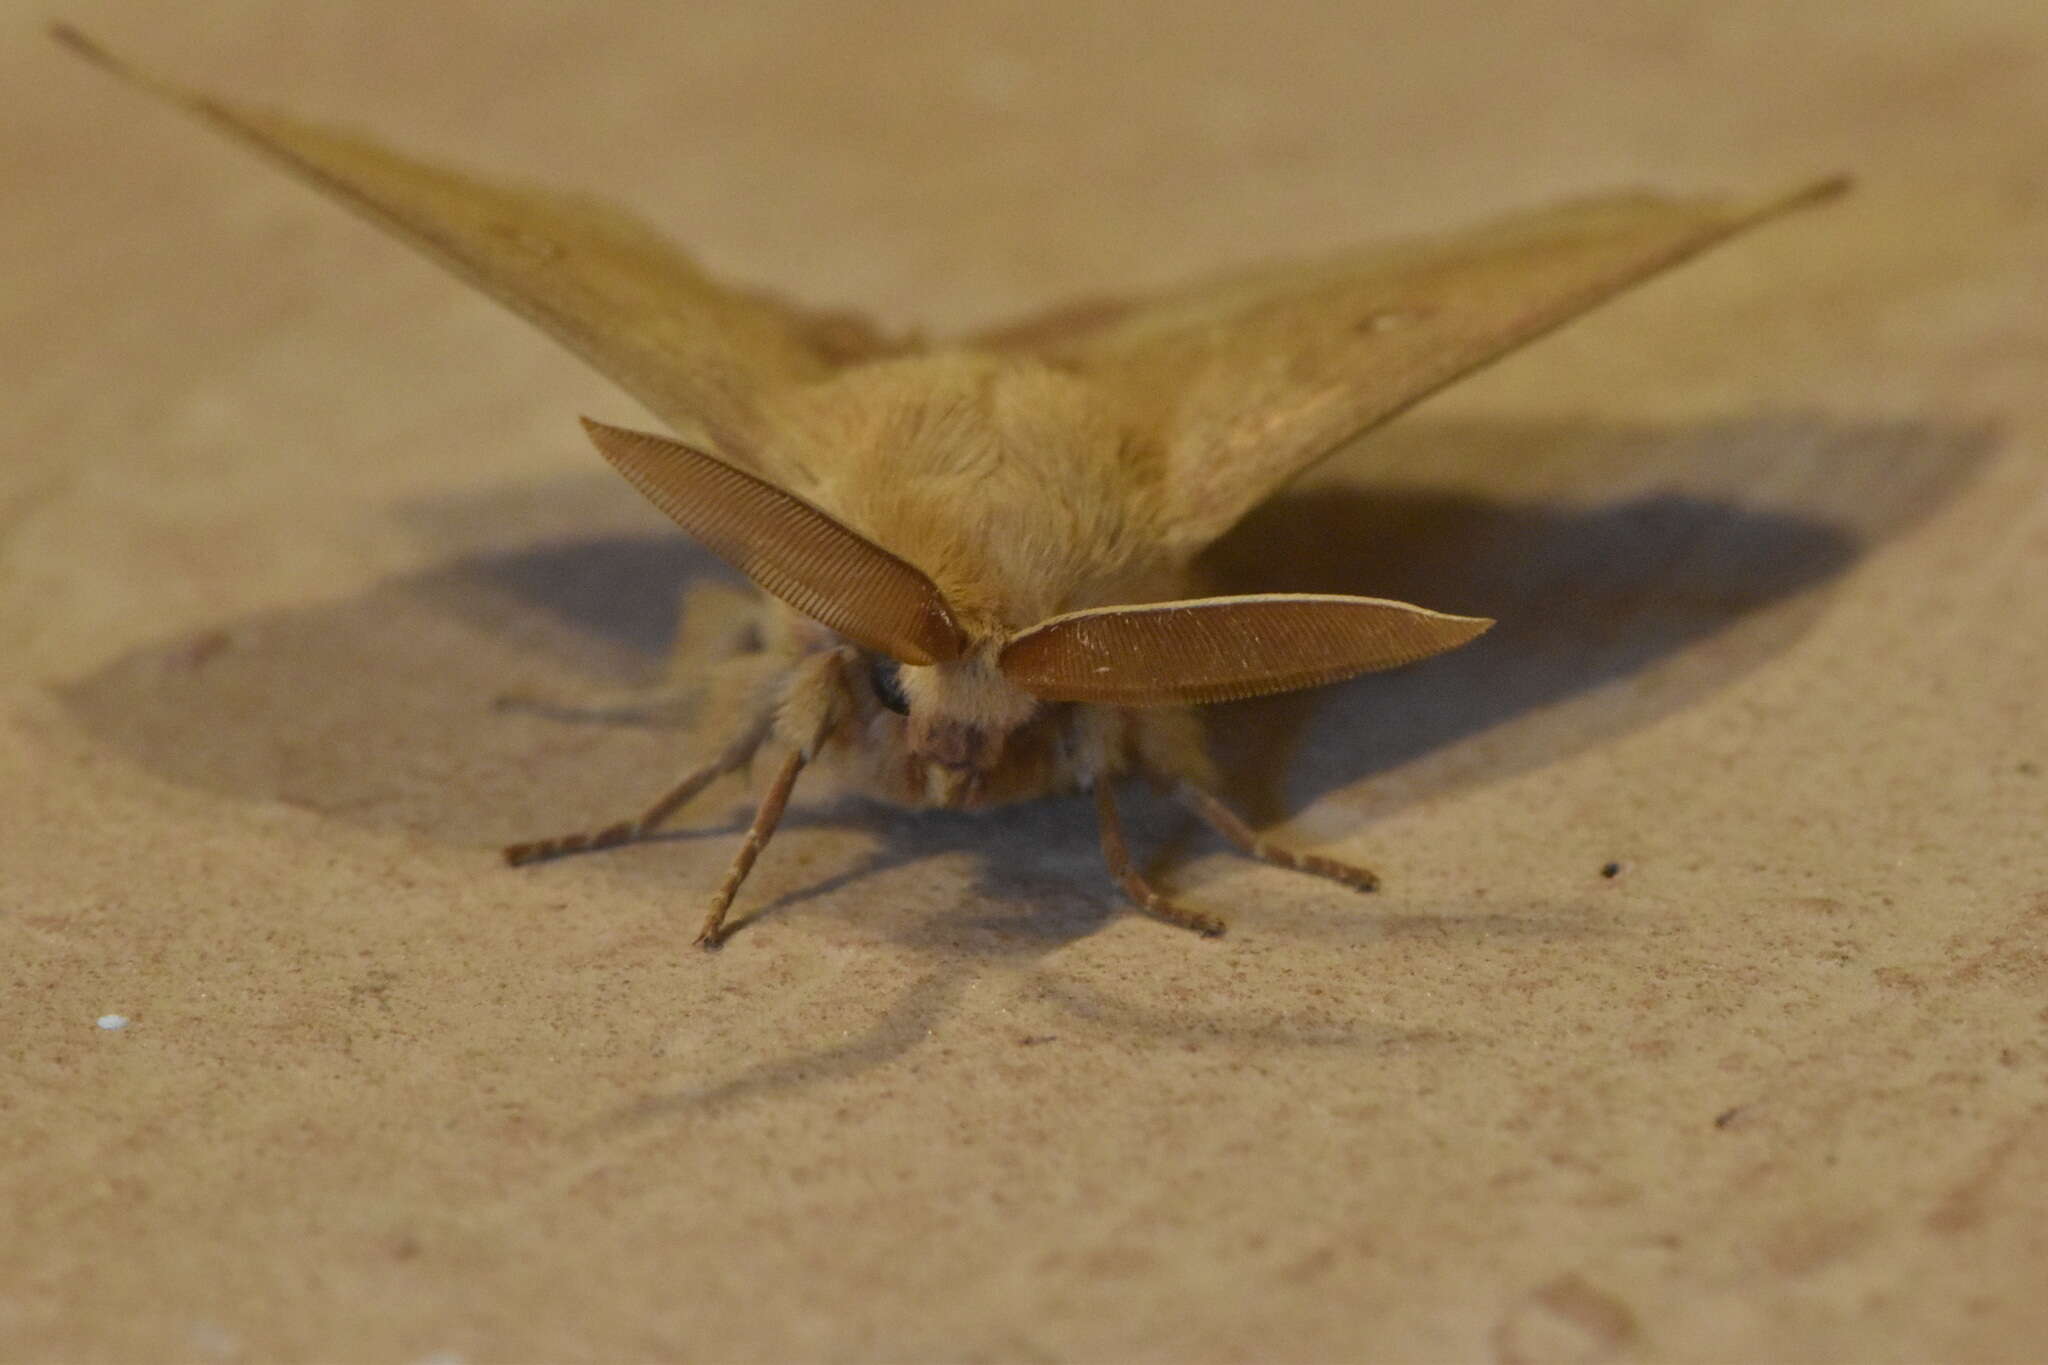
{"points": [[1673, 562], [1040, 888], [1632, 569]]}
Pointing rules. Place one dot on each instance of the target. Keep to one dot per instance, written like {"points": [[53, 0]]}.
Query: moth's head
{"points": [[959, 688], [963, 733]]}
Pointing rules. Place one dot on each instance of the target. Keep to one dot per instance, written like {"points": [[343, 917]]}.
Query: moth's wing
{"points": [[597, 279], [1252, 378]]}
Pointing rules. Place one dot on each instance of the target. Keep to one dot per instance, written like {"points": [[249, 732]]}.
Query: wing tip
{"points": [[1806, 194], [82, 44], [67, 35], [79, 43]]}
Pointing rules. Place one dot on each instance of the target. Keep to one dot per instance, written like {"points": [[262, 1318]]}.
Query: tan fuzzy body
{"points": [[1018, 490], [1021, 491]]}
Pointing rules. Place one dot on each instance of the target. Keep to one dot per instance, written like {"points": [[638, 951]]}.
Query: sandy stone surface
{"points": [[283, 508]]}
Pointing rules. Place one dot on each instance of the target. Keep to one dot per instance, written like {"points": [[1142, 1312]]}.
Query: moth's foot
{"points": [[1350, 874], [1142, 895], [712, 936], [538, 850], [1174, 913]]}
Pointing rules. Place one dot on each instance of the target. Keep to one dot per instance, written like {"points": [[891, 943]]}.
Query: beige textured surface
{"points": [[281, 507]]}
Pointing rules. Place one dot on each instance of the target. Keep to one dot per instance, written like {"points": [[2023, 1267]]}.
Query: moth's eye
{"points": [[887, 679]]}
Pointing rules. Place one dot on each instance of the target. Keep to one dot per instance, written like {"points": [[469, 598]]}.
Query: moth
{"points": [[975, 555]]}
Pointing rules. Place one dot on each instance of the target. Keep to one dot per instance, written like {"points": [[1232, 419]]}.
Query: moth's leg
{"points": [[814, 703], [716, 623], [1118, 856], [758, 834], [1224, 821], [736, 754]]}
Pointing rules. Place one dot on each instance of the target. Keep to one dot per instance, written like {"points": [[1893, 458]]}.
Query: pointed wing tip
{"points": [[1806, 194], [76, 40], [1827, 187], [82, 44]]}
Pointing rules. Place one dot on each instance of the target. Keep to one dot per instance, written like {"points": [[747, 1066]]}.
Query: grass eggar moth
{"points": [[975, 554]]}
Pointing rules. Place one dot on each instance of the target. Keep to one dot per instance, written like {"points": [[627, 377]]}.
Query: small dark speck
{"points": [[1034, 1039], [1610, 870], [1726, 1116], [200, 649], [2026, 767]]}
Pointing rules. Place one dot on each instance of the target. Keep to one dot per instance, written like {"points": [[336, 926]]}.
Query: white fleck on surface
{"points": [[215, 1342], [111, 1022], [1394, 319]]}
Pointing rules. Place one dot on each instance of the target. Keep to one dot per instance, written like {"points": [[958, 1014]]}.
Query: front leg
{"points": [[1224, 821], [766, 817], [1168, 748], [814, 704], [1117, 854]]}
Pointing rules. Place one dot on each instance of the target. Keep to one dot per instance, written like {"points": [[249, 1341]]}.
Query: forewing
{"points": [[791, 549], [1250, 379], [597, 279], [1224, 648]]}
